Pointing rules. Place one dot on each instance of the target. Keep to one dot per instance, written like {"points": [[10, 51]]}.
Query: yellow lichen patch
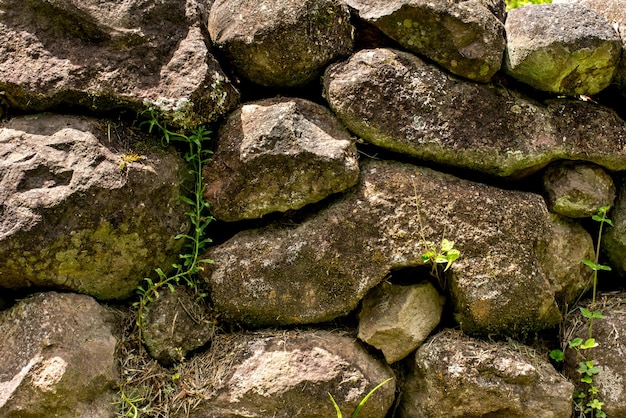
{"points": [[130, 157]]}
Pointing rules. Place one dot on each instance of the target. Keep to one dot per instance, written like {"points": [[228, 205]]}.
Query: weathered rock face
{"points": [[176, 324], [499, 284], [414, 108], [615, 13], [577, 190], [561, 48], [614, 239], [76, 213], [609, 356], [288, 374], [53, 344], [276, 155], [397, 319], [570, 244], [266, 43], [464, 37], [112, 55], [457, 376]]}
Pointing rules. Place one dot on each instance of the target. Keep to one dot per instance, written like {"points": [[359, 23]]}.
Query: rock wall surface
{"points": [[401, 194]]}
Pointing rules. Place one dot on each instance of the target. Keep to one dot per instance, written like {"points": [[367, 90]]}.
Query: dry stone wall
{"points": [[350, 139]]}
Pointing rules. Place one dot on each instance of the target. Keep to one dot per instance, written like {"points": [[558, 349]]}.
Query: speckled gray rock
{"points": [[465, 37], [287, 374], [112, 55], [58, 358], [75, 215], [561, 48], [281, 43], [394, 100], [397, 319], [577, 190], [615, 13], [177, 323], [610, 354], [458, 376], [315, 271], [276, 155]]}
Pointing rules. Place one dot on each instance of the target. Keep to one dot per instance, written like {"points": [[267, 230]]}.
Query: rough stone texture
{"points": [[570, 243], [609, 356], [615, 13], [74, 215], [465, 37], [112, 55], [52, 345], [281, 43], [320, 269], [398, 102], [177, 323], [561, 48], [458, 376], [397, 319], [288, 374], [577, 190], [276, 155], [614, 240]]}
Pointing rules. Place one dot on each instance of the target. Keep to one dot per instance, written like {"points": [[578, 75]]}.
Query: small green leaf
{"points": [[441, 259], [575, 342], [586, 312], [586, 379], [582, 367], [557, 355], [597, 315], [446, 245], [590, 343]]}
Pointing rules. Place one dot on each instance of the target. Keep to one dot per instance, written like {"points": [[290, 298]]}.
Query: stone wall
{"points": [[359, 147]]}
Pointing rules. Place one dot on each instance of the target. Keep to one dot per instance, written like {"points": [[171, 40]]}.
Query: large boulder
{"points": [[287, 374], [561, 48], [458, 376], [278, 155], [464, 37], [112, 55], [281, 43], [321, 268], [58, 358], [395, 100], [615, 13], [80, 211]]}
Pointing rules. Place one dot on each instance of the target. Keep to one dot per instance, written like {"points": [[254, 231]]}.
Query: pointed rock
{"points": [[397, 319], [276, 155]]}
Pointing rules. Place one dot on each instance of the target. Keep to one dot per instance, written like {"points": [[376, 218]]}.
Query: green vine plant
{"points": [[361, 404], [436, 255], [190, 259], [587, 403]]}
